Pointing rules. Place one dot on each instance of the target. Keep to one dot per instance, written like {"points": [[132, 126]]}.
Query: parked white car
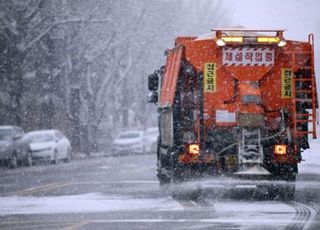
{"points": [[150, 139], [129, 142], [49, 144]]}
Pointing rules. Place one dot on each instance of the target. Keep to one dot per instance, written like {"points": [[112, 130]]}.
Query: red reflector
{"points": [[194, 149], [280, 149]]}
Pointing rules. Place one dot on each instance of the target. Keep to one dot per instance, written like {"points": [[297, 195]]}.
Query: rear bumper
{"points": [[46, 154]]}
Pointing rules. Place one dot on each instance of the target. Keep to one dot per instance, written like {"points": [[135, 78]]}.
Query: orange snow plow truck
{"points": [[235, 102]]}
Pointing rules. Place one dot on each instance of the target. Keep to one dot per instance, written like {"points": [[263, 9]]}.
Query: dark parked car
{"points": [[14, 148]]}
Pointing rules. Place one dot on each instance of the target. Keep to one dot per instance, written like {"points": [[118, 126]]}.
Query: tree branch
{"points": [[24, 47], [34, 12], [6, 23], [124, 77]]}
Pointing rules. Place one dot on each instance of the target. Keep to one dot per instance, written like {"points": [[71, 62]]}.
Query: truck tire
{"points": [[287, 192], [176, 170], [167, 170], [164, 179], [161, 165], [281, 192]]}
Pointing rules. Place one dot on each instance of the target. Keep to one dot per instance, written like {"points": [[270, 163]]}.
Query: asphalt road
{"points": [[123, 193]]}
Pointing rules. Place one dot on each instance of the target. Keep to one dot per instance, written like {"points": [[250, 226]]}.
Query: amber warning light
{"points": [[194, 149], [280, 149], [249, 37]]}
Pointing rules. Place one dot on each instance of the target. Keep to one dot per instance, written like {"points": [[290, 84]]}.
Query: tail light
{"points": [[280, 149], [194, 149]]}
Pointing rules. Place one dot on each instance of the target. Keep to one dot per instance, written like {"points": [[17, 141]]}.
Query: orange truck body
{"points": [[249, 82]]}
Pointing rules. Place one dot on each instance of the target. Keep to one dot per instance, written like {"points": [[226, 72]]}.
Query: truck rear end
{"points": [[237, 102]]}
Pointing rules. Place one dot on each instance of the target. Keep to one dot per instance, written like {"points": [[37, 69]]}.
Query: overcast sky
{"points": [[299, 17]]}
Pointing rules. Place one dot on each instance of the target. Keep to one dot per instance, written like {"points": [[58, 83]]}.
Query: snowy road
{"points": [[123, 193]]}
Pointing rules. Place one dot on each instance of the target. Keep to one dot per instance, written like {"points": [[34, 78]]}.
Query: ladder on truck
{"points": [[305, 97], [250, 148], [250, 153]]}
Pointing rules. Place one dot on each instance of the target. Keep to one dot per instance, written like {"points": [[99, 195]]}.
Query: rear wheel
{"points": [[13, 161], [178, 172], [69, 156], [163, 176], [284, 176], [287, 191], [281, 192], [55, 158], [163, 179], [29, 160], [170, 171], [162, 166]]}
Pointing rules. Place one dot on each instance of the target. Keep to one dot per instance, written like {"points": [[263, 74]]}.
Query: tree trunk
{"points": [[75, 119]]}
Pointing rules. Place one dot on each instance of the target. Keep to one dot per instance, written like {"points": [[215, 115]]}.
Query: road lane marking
{"points": [[56, 185], [31, 190], [43, 188], [34, 225], [78, 225]]}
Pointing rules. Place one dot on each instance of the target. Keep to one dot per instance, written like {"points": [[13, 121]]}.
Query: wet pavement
{"points": [[123, 193]]}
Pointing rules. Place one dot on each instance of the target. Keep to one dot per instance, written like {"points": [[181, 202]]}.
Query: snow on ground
{"points": [[254, 213], [311, 157], [241, 212], [84, 203]]}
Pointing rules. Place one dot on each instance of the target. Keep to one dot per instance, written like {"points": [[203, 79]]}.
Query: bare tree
{"points": [[25, 27], [82, 65]]}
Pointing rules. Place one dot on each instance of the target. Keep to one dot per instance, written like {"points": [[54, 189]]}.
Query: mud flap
{"points": [[252, 170]]}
